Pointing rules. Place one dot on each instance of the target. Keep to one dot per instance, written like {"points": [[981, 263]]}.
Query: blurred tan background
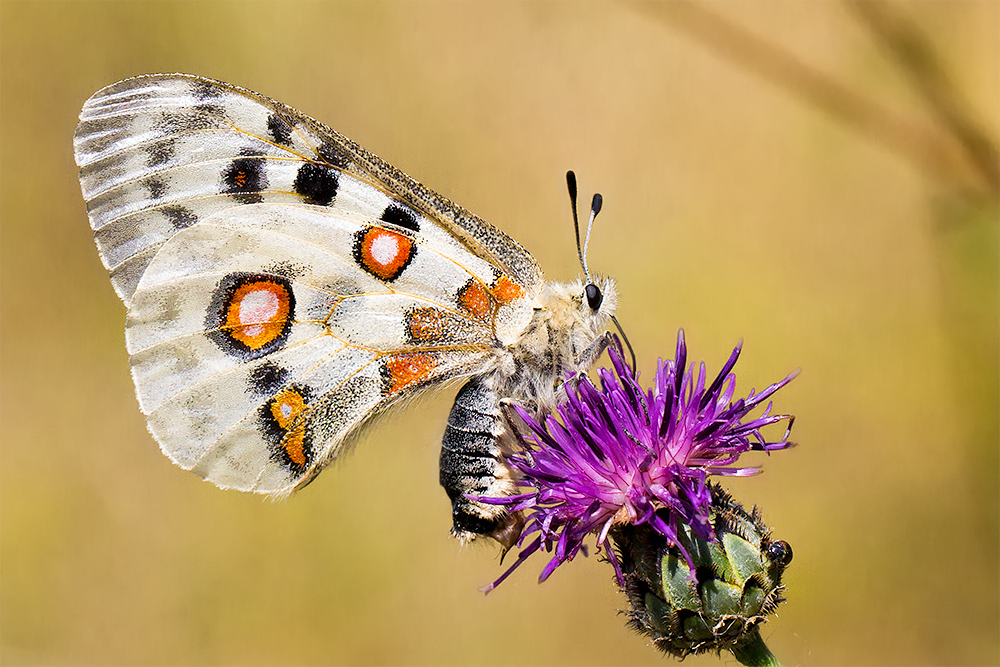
{"points": [[811, 177]]}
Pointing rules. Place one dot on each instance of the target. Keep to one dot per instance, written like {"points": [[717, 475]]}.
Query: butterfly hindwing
{"points": [[259, 332]]}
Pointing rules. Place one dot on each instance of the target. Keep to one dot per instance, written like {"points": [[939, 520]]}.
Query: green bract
{"points": [[735, 585]]}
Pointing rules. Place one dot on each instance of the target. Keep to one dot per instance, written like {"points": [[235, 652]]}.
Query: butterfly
{"points": [[284, 286]]}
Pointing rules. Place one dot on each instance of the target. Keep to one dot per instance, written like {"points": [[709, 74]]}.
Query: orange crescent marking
{"points": [[294, 445]]}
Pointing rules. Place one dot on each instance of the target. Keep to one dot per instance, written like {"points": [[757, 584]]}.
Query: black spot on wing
{"points": [[333, 155], [156, 186], [279, 129], [180, 216], [400, 216], [267, 378], [316, 182], [160, 153], [245, 178]]}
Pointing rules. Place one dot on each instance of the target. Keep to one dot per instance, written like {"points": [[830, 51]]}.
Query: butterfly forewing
{"points": [[160, 153]]}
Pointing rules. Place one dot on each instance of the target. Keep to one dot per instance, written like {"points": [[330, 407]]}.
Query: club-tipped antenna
{"points": [[627, 343], [595, 208], [571, 186]]}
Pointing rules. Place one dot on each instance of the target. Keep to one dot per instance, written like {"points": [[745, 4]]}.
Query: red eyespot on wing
{"points": [[287, 408], [383, 253], [256, 312], [285, 430]]}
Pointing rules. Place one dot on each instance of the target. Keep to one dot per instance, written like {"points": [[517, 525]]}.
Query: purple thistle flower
{"points": [[618, 454]]}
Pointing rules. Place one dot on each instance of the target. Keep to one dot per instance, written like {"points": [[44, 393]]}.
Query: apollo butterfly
{"points": [[284, 286]]}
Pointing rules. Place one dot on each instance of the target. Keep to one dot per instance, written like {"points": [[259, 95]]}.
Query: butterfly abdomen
{"points": [[472, 461]]}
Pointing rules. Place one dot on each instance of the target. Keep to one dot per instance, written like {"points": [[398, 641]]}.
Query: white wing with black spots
{"points": [[160, 153], [289, 303]]}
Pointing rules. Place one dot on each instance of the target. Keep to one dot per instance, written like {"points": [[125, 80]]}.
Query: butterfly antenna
{"points": [[571, 186], [627, 343], [595, 208]]}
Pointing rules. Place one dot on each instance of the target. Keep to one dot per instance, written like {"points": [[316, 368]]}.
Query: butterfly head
{"points": [[596, 299], [596, 289], [591, 300], [588, 310]]}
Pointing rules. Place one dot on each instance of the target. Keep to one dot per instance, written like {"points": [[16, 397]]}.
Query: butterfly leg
{"points": [[472, 463], [588, 357]]}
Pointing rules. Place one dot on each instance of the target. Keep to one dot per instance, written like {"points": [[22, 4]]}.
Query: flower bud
{"points": [[735, 584]]}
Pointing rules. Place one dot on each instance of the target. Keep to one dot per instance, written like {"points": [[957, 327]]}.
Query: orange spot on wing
{"points": [[383, 253], [506, 290], [476, 300], [288, 407], [257, 312], [403, 370]]}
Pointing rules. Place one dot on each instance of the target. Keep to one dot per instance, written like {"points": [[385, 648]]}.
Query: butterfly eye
{"points": [[594, 296]]}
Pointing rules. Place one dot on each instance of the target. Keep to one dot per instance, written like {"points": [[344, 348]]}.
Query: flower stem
{"points": [[753, 652]]}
